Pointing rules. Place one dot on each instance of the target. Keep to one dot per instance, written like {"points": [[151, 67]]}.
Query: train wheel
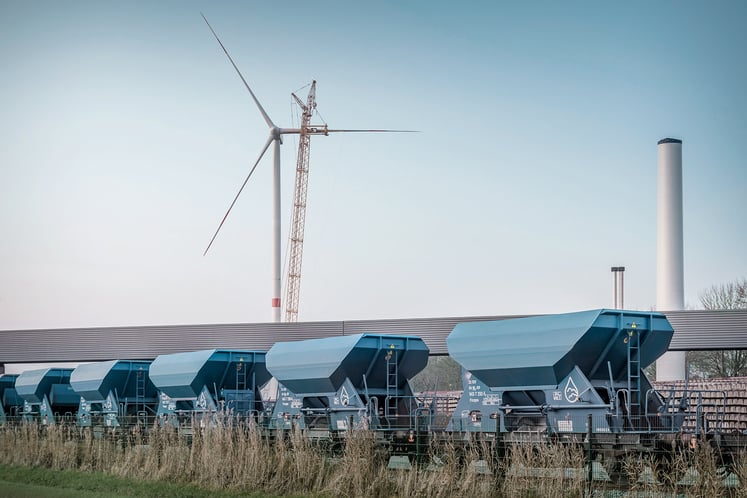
{"points": [[501, 461], [615, 468], [617, 473], [632, 468], [670, 467]]}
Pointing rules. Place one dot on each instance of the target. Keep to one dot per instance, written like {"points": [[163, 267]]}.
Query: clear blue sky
{"points": [[124, 134]]}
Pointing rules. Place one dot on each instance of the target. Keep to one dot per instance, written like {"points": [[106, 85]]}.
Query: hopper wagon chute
{"points": [[338, 383], [550, 373], [114, 393], [11, 403], [47, 395], [202, 383]]}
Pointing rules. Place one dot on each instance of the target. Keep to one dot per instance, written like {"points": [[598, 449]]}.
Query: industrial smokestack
{"points": [[670, 288]]}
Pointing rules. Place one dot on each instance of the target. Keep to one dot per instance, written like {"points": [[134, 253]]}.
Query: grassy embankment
{"points": [[236, 460], [39, 482]]}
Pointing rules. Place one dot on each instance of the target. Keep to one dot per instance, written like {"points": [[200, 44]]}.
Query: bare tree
{"points": [[729, 363], [442, 373], [731, 296]]}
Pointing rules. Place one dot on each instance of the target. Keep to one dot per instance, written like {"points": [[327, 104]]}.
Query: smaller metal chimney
{"points": [[618, 287]]}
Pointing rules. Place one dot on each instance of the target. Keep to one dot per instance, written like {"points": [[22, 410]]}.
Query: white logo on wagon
{"points": [[571, 391]]}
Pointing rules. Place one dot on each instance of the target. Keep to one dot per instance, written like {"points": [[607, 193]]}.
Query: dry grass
{"points": [[237, 456], [545, 470]]}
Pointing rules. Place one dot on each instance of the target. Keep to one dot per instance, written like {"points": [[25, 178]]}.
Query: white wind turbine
{"points": [[275, 138]]}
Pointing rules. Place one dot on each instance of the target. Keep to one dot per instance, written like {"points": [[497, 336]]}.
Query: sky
{"points": [[125, 133]]}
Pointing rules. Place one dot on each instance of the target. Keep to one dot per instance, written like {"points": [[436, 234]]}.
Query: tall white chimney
{"points": [[670, 288]]}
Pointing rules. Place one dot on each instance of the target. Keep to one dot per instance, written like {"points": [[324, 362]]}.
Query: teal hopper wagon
{"points": [[114, 393], [47, 395], [199, 386], [339, 383], [11, 403], [554, 373]]}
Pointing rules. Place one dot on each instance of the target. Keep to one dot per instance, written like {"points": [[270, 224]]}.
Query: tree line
{"points": [[729, 363]]}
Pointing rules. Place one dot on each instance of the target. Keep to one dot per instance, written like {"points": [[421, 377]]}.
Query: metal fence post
{"points": [[590, 474]]}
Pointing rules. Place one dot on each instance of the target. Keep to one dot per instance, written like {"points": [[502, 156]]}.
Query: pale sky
{"points": [[125, 133]]}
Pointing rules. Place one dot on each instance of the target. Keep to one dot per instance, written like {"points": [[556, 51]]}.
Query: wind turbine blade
{"points": [[259, 106], [264, 149], [373, 131]]}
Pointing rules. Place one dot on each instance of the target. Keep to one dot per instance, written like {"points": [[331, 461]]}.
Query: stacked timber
{"points": [[445, 401], [724, 400]]}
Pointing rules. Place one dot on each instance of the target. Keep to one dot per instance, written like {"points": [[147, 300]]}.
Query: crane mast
{"points": [[298, 216]]}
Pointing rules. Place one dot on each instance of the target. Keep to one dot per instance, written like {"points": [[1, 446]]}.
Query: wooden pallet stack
{"points": [[446, 401], [722, 395]]}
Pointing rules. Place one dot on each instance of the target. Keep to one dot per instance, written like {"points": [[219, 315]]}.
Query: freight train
{"points": [[574, 377]]}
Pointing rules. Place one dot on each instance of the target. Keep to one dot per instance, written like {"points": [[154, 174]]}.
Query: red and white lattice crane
{"points": [[298, 216]]}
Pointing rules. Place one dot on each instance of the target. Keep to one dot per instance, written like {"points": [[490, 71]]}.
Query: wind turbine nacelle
{"points": [[318, 130]]}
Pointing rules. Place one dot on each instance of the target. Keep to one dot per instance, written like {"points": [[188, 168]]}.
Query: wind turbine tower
{"points": [[299, 208]]}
